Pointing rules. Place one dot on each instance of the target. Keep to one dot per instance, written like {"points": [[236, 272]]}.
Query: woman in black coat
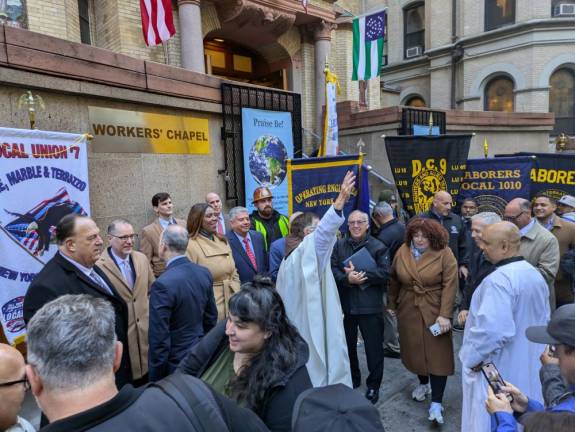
{"points": [[255, 357]]}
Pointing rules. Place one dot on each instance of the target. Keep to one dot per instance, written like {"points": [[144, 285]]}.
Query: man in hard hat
{"points": [[267, 221]]}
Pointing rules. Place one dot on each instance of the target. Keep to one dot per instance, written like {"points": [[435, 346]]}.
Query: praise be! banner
{"points": [[43, 177], [314, 183], [424, 165], [267, 145], [494, 182]]}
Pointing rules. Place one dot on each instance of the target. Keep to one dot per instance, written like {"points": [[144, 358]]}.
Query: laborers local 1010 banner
{"points": [[424, 165], [494, 182], [267, 145], [43, 177], [314, 183], [553, 174]]}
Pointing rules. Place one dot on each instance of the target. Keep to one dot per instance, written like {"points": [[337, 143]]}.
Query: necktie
{"points": [[128, 275], [100, 282], [220, 227], [250, 253]]}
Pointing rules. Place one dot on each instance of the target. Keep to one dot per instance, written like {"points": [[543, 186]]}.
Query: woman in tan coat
{"points": [[211, 250], [422, 290]]}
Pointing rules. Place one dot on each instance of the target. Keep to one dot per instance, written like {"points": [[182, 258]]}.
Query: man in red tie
{"points": [[214, 201], [248, 247]]}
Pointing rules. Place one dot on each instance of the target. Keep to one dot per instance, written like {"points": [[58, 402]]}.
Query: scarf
{"points": [[416, 252]]}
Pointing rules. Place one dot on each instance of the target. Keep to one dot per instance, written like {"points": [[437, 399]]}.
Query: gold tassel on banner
{"points": [[485, 147]]}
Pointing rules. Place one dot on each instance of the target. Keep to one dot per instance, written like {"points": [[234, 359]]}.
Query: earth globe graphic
{"points": [[267, 161]]}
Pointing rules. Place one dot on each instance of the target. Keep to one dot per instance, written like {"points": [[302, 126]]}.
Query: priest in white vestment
{"points": [[515, 296], [308, 289]]}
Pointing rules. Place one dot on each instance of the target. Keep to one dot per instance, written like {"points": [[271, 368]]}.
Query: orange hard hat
{"points": [[261, 193]]}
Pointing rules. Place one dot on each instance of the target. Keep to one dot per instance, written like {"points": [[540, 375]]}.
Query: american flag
{"points": [[22, 228], [157, 21]]}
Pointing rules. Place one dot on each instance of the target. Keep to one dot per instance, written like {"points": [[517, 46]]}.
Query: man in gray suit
{"points": [[538, 246]]}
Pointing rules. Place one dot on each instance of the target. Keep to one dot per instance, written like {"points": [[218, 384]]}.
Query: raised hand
{"points": [[345, 191]]}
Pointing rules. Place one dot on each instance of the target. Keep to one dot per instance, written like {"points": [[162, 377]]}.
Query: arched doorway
{"points": [[230, 60]]}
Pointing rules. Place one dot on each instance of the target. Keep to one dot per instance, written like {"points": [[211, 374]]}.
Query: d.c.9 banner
{"points": [[314, 183], [43, 177], [424, 165], [494, 182]]}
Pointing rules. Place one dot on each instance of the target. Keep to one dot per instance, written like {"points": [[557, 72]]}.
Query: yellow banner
{"points": [[122, 131]]}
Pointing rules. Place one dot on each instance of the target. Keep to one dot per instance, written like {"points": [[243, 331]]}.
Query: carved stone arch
{"points": [[412, 91], [210, 19], [561, 61], [487, 73]]}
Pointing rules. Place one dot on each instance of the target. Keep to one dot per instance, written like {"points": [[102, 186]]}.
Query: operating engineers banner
{"points": [[314, 183], [43, 177]]}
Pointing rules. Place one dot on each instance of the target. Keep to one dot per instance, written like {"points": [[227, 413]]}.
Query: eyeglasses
{"points": [[512, 218], [126, 237], [22, 381], [352, 223]]}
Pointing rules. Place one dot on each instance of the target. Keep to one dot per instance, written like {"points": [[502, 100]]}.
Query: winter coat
{"points": [[419, 292]]}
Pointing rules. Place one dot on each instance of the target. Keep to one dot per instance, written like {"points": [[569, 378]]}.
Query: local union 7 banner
{"points": [[43, 177]]}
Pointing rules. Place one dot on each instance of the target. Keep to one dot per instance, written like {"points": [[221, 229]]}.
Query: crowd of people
{"points": [[244, 321]]}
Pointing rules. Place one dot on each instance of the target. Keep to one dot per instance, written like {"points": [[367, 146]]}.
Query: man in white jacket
{"points": [[507, 302], [309, 292]]}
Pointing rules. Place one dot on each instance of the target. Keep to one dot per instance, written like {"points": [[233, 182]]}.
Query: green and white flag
{"points": [[368, 34]]}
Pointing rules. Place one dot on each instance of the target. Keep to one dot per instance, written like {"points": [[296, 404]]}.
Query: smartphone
{"points": [[435, 329], [494, 379]]}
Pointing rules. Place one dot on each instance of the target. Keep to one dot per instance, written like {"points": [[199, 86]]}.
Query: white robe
{"points": [[308, 289], [515, 296]]}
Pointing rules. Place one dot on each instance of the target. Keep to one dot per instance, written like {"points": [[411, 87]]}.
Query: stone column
{"points": [[192, 41], [322, 41]]}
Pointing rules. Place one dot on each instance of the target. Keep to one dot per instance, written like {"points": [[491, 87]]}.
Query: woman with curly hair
{"points": [[256, 356], [421, 294], [212, 250]]}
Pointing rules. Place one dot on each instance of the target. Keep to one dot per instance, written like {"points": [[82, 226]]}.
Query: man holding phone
{"points": [[557, 369], [507, 302]]}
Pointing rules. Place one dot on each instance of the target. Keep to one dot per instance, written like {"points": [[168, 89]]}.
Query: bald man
{"points": [[539, 247], [458, 238], [512, 298], [13, 385], [215, 202]]}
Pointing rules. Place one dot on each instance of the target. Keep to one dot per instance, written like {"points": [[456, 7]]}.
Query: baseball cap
{"points": [[567, 200], [559, 331]]}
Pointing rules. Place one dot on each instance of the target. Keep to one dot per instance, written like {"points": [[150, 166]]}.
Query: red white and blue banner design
{"points": [[43, 177]]}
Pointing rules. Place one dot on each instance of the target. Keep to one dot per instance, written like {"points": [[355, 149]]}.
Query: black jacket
{"points": [[479, 269], [149, 409], [458, 239], [392, 235], [182, 311], [59, 277], [367, 298], [277, 413]]}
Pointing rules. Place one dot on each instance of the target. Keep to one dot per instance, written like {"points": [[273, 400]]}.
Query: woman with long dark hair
{"points": [[212, 250], [421, 293], [256, 356]]}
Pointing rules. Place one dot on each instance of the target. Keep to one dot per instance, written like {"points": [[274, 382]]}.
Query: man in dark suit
{"points": [[248, 247], [72, 271], [182, 305]]}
